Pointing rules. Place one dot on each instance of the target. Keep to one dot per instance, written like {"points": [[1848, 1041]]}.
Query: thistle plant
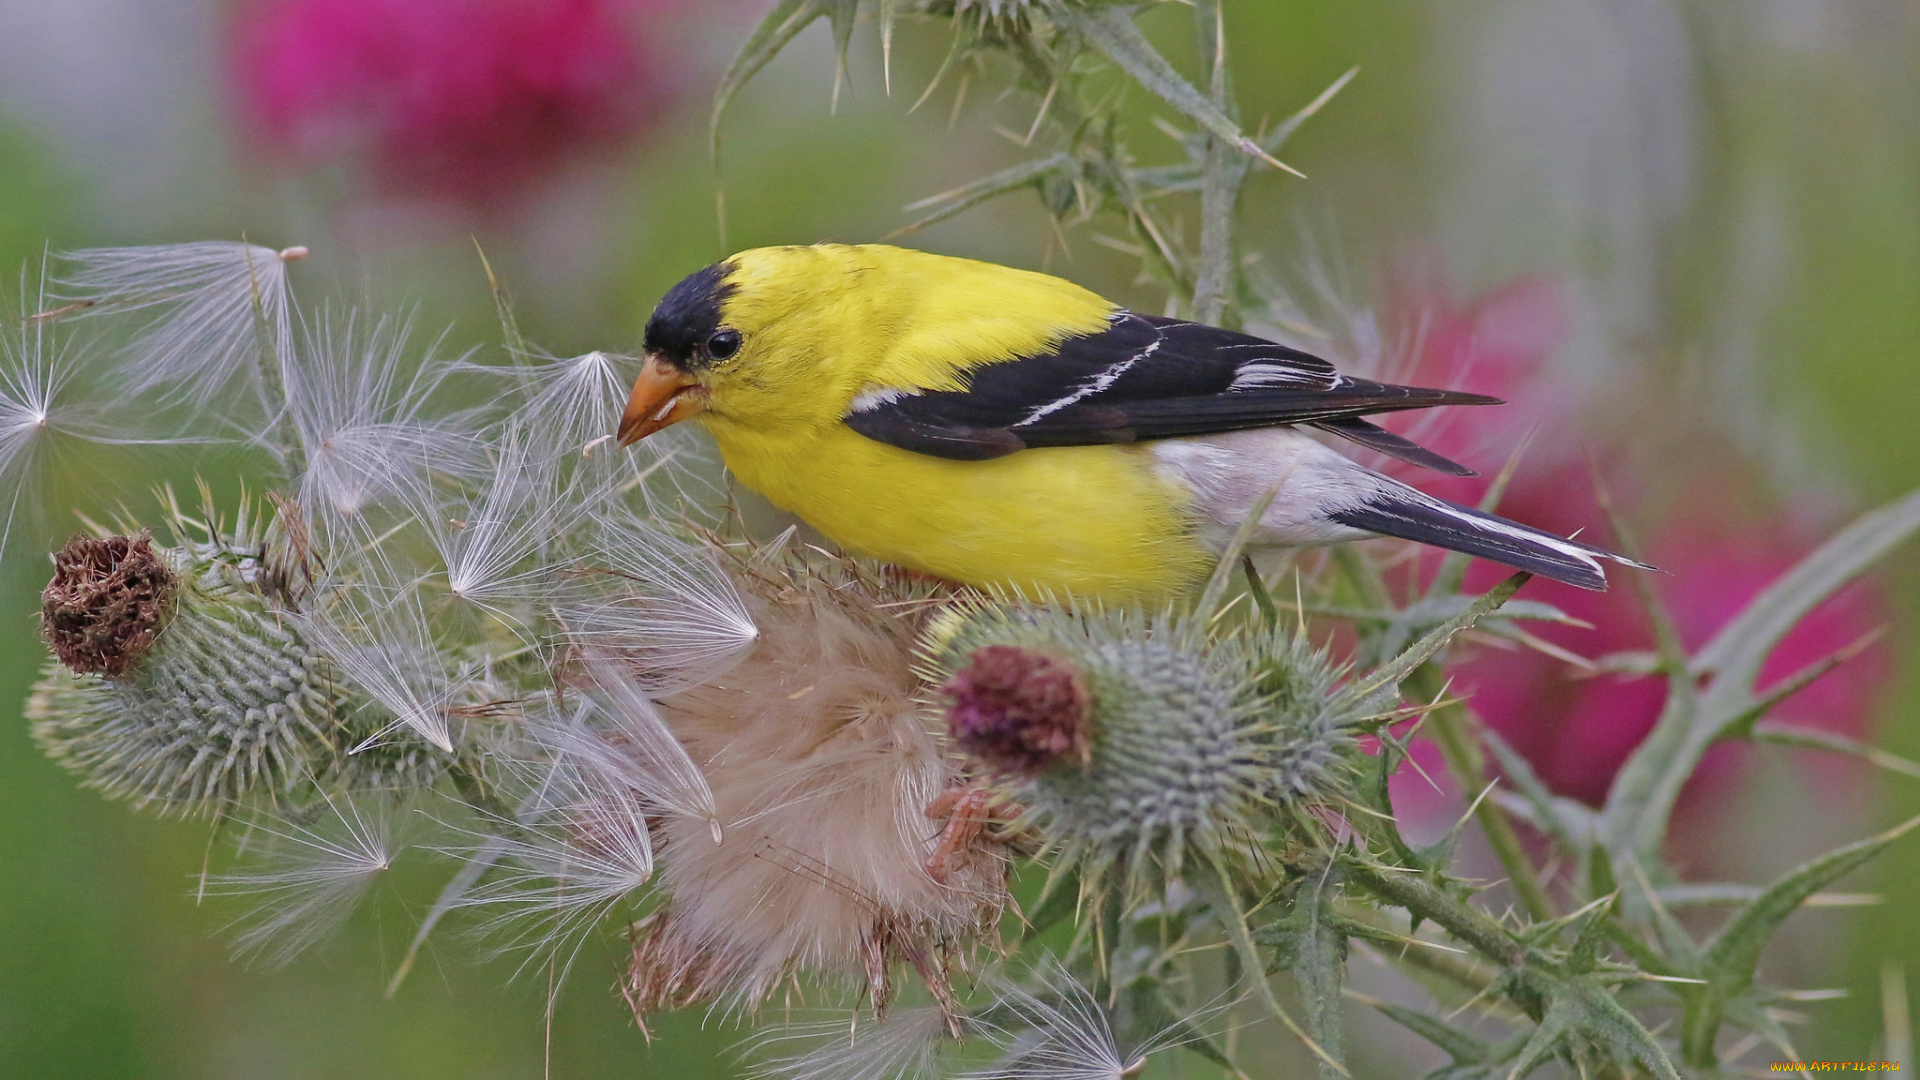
{"points": [[1008, 837], [1145, 749]]}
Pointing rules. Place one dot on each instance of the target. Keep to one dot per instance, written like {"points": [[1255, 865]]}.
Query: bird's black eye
{"points": [[723, 343]]}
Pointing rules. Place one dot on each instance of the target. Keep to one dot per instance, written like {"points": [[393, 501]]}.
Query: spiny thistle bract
{"points": [[1127, 740], [185, 682], [996, 18]]}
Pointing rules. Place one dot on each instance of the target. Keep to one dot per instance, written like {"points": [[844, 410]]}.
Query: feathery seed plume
{"points": [[823, 772], [218, 316], [307, 881]]}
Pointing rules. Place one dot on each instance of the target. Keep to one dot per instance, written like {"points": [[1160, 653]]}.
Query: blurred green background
{"points": [[1731, 189]]}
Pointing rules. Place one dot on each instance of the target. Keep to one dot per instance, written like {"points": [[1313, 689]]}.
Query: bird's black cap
{"points": [[688, 316]]}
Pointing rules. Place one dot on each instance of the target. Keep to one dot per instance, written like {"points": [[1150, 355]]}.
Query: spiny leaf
{"points": [[1754, 1017], [1320, 964], [1734, 949], [1641, 800], [1815, 739], [1741, 723], [1390, 675], [1547, 1039], [1682, 951], [1272, 140], [1227, 909], [781, 26], [1609, 1024], [1463, 1047], [1732, 954], [1735, 654], [965, 197], [1586, 1009], [1592, 938], [1112, 31]]}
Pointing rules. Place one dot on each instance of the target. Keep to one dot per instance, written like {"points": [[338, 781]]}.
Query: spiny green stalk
{"points": [[1223, 171], [1449, 725]]}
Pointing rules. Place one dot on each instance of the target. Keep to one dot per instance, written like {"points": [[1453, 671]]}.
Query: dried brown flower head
{"points": [[105, 603]]}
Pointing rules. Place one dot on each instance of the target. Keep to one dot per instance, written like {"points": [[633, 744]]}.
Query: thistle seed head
{"points": [[823, 772], [106, 602], [1019, 711]]}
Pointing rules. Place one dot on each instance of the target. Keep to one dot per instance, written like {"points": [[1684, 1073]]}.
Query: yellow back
{"points": [[839, 319]]}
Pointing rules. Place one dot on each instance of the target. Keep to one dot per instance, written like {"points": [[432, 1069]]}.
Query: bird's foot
{"points": [[966, 810]]}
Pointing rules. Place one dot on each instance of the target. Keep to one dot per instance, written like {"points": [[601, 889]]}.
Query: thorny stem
{"points": [[1463, 971], [1254, 965], [1070, 116], [1414, 891], [1223, 171], [1448, 724]]}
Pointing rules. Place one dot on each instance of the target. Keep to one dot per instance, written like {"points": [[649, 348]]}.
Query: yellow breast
{"points": [[1093, 521], [824, 324]]}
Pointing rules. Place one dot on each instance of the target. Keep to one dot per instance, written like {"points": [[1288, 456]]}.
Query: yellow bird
{"points": [[1006, 428]]}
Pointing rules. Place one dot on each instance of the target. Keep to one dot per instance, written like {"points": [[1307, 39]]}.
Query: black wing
{"points": [[1145, 378]]}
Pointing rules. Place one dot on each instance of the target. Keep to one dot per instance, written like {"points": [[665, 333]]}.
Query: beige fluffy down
{"points": [[822, 768]]}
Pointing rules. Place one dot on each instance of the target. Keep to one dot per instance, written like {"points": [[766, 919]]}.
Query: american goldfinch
{"points": [[1000, 427]]}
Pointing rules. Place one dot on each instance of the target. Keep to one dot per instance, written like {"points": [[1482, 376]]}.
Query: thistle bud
{"points": [[1183, 740], [181, 685]]}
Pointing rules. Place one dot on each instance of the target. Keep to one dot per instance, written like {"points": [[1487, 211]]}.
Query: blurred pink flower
{"points": [[1577, 731], [462, 99], [1496, 344]]}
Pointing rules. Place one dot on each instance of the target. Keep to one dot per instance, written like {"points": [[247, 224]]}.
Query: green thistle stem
{"points": [[1254, 965], [1449, 726], [1223, 172], [1413, 891], [1468, 974]]}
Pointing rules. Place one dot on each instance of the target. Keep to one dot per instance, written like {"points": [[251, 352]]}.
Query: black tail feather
{"points": [[1374, 437], [1454, 527]]}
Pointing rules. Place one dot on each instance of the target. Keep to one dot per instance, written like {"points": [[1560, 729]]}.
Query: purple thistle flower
{"points": [[1019, 711]]}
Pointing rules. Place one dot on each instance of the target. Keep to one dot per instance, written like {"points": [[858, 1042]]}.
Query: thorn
{"points": [[1249, 146]]}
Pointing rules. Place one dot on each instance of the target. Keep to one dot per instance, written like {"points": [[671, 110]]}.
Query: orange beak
{"points": [[663, 395]]}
